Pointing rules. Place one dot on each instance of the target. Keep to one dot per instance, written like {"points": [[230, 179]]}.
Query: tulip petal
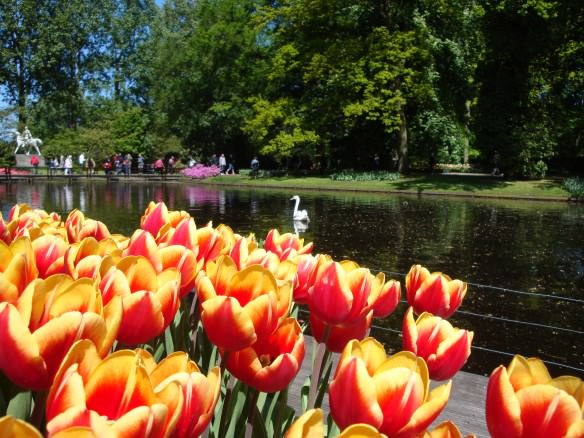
{"points": [[142, 319], [11, 427], [428, 412], [502, 408], [352, 395], [226, 323], [361, 431], [547, 411], [20, 357], [119, 384], [309, 425], [143, 421]]}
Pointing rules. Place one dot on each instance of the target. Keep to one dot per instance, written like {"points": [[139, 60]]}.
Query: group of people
{"points": [[226, 167], [64, 164]]}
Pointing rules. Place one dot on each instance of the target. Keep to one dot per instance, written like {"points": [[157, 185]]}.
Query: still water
{"points": [[524, 261]]}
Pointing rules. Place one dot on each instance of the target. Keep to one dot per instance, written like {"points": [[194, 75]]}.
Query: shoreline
{"points": [[268, 183]]}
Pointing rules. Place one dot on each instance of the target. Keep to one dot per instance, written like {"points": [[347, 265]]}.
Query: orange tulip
{"points": [[150, 300], [272, 364], [335, 337], [524, 401], [51, 314], [239, 308], [11, 427], [286, 245], [444, 348], [309, 425], [435, 293], [241, 249], [111, 397], [214, 242], [390, 394]]}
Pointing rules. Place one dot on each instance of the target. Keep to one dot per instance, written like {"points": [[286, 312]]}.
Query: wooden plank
{"points": [[465, 406]]}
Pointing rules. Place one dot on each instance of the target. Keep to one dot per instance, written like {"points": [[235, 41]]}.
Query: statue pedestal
{"points": [[23, 160]]}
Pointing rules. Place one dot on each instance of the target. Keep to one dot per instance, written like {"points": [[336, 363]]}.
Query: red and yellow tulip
{"points": [[272, 364], [238, 308], [286, 245], [444, 348], [111, 397], [343, 300], [389, 393], [78, 227], [49, 316], [149, 299], [524, 401], [435, 292]]}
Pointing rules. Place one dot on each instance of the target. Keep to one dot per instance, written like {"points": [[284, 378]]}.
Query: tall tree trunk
{"points": [[403, 143]]}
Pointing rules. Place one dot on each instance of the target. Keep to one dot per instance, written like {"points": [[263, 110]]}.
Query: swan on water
{"points": [[299, 215]]}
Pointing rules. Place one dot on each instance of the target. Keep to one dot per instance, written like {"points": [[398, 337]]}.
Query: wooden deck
{"points": [[465, 406]]}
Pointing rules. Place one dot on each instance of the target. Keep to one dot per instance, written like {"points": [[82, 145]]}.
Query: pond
{"points": [[524, 261]]}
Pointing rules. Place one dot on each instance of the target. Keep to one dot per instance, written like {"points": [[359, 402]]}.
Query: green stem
{"points": [[317, 369], [252, 400], [225, 411], [282, 404], [37, 417]]}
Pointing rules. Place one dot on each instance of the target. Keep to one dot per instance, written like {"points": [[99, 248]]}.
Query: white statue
{"points": [[26, 142]]}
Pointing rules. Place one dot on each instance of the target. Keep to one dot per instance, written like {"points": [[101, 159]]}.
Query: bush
{"points": [[574, 186], [200, 171]]}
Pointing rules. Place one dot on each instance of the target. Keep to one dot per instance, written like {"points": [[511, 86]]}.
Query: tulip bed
{"points": [[184, 331]]}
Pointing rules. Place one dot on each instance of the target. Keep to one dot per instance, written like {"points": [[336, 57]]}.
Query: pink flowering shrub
{"points": [[200, 171]]}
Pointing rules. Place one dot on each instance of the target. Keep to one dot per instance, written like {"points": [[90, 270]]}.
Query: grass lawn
{"points": [[447, 184]]}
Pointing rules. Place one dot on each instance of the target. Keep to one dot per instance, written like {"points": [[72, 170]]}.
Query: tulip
{"points": [[13, 427], [286, 245], [524, 401], [435, 293], [154, 218], [241, 250], [446, 429], [444, 348], [309, 425], [239, 308], [149, 300], [24, 221], [78, 227], [390, 394], [143, 244], [214, 242], [307, 267], [51, 314], [114, 396], [200, 393], [272, 364], [335, 337], [48, 249]]}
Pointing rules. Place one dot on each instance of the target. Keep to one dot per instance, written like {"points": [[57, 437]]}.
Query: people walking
{"points": [[68, 165]]}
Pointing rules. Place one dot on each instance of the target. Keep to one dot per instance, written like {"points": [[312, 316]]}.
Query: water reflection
{"points": [[536, 248]]}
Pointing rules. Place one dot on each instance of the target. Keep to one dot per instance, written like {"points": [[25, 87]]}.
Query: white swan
{"points": [[299, 215]]}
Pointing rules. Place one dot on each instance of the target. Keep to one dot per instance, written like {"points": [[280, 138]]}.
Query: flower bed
{"points": [[179, 330]]}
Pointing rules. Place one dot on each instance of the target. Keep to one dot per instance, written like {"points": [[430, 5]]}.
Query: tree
{"points": [[19, 58]]}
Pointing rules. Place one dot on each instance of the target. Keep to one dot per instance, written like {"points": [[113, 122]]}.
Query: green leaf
{"points": [[20, 405]]}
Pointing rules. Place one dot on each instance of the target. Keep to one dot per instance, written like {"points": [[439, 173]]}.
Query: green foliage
{"points": [[348, 175], [574, 186]]}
